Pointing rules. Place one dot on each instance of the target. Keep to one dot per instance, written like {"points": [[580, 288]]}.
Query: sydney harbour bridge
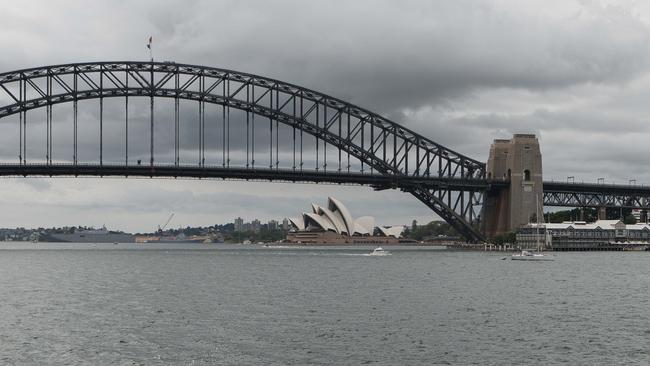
{"points": [[163, 119]]}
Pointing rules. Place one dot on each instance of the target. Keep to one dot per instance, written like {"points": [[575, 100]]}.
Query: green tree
{"points": [[630, 220]]}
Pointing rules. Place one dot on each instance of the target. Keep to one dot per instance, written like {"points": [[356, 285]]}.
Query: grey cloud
{"points": [[443, 51], [383, 55]]}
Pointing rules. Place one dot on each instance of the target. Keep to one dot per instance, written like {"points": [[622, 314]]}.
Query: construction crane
{"points": [[161, 229]]}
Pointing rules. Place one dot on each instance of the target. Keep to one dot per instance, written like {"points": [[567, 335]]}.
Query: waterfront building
{"points": [[394, 231], [579, 235], [334, 224]]}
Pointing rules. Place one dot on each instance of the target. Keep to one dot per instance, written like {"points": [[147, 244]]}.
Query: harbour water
{"points": [[194, 304]]}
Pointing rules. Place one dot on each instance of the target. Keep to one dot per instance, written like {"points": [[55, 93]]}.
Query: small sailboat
{"points": [[527, 255]]}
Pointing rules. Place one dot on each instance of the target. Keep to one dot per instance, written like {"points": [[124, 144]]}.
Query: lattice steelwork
{"points": [[596, 195], [309, 136]]}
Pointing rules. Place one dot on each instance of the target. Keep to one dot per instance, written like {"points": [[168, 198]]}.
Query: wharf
{"points": [[508, 247], [584, 246]]}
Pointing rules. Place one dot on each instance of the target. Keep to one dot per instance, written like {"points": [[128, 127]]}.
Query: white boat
{"points": [[526, 255], [530, 256], [379, 252]]}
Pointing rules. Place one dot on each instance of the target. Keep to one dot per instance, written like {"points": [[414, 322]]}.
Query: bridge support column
{"points": [[602, 213], [517, 161]]}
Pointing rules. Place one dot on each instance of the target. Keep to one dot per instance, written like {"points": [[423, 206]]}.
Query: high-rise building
{"points": [[285, 224], [255, 226], [272, 225], [239, 225]]}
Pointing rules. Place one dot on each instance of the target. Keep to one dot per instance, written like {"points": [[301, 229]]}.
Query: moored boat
{"points": [[526, 255]]}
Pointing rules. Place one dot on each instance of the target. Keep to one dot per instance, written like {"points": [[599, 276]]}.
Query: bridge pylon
{"points": [[517, 161]]}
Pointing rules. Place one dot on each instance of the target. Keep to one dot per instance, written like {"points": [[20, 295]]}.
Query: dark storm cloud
{"points": [[381, 54], [388, 55]]}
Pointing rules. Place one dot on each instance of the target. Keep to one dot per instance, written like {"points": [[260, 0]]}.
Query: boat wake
{"points": [[363, 255]]}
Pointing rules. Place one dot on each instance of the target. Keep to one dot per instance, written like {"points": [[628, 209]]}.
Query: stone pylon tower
{"points": [[507, 206]]}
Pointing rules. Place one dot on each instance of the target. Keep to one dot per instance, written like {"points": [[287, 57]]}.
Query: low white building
{"points": [[579, 235]]}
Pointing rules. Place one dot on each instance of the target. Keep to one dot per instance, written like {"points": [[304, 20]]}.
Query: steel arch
{"points": [[383, 147]]}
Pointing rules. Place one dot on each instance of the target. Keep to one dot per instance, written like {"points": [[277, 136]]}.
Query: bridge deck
{"points": [[375, 180], [595, 188], [596, 195]]}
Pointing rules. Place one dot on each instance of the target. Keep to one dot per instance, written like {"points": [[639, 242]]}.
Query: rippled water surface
{"points": [[104, 304]]}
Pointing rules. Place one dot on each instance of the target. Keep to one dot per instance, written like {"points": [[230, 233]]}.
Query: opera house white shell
{"points": [[395, 231], [336, 218]]}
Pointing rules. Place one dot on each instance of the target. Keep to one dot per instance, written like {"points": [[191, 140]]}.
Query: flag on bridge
{"points": [[149, 47]]}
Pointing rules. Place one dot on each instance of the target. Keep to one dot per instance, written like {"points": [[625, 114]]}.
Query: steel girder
{"points": [[235, 173], [383, 148], [585, 196]]}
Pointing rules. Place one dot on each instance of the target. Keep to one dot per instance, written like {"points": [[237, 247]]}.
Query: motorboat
{"points": [[379, 252], [526, 255]]}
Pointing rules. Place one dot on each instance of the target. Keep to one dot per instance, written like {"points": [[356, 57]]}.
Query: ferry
{"points": [[379, 252]]}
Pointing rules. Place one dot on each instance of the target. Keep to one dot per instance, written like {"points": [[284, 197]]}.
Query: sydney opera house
{"points": [[334, 225]]}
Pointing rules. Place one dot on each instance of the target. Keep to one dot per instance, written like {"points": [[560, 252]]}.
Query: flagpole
{"points": [[149, 46], [151, 101]]}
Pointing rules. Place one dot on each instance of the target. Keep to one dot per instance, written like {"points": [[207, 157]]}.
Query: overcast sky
{"points": [[576, 73]]}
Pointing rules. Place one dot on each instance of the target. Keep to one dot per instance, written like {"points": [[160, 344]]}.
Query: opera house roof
{"points": [[336, 217]]}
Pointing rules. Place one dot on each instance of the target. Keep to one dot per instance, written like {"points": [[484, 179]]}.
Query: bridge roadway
{"points": [[596, 195], [375, 180], [559, 194]]}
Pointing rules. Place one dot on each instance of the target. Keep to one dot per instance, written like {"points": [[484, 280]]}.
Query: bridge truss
{"points": [[596, 195], [257, 128]]}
